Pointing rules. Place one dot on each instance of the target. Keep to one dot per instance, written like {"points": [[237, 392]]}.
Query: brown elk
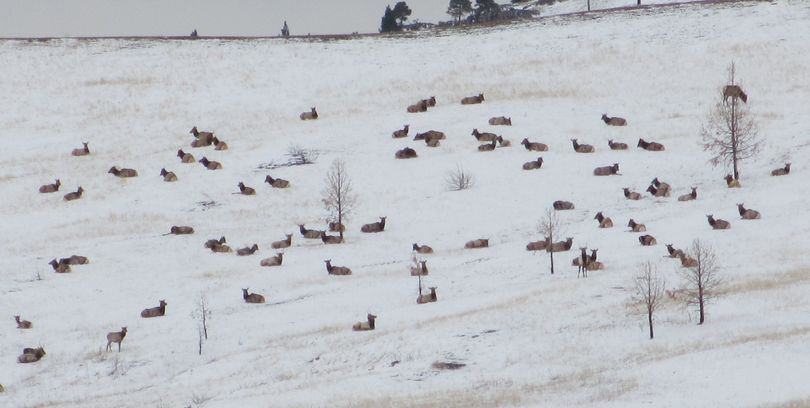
{"points": [[50, 188], [782, 171], [209, 164], [214, 242], [285, 243], [674, 253], [477, 243], [563, 205], [534, 164], [247, 250], [604, 222], [168, 176], [273, 260], [430, 134], [311, 115], [561, 246], [364, 326], [75, 260], [617, 145], [470, 100], [484, 136], [59, 267], [122, 173], [330, 239], [22, 324], [185, 157], [201, 138], [335, 226], [500, 121], [689, 197], [420, 270], [424, 249], [582, 148], [731, 182], [401, 132], [647, 240], [631, 195], [74, 195], [431, 102], [747, 213], [336, 270], [650, 146], [504, 142], [538, 245], [687, 261], [734, 91], [31, 355], [221, 248], [308, 233], [420, 106], [406, 153], [661, 191], [245, 190], [427, 298], [83, 151], [116, 337], [219, 144], [276, 182], [607, 170], [660, 184], [374, 226], [534, 146], [614, 121], [487, 147], [252, 297], [181, 230], [718, 223], [155, 311], [636, 227]]}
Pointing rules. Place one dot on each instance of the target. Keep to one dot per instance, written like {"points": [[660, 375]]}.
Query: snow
{"points": [[527, 338]]}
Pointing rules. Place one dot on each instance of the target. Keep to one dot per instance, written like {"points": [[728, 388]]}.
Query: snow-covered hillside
{"points": [[527, 338]]}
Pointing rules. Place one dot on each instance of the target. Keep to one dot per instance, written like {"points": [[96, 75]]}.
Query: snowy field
{"points": [[527, 338]]}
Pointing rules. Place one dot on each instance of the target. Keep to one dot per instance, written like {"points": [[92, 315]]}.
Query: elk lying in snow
{"points": [[747, 213], [84, 151], [537, 245], [116, 337], [604, 222], [631, 195], [185, 157], [210, 165], [219, 144], [336, 270], [59, 267], [406, 153], [582, 148], [782, 171], [31, 355], [123, 173], [245, 190], [420, 106], [330, 239], [276, 182], [247, 250], [273, 260], [430, 134], [477, 243], [636, 227], [734, 91], [485, 136], [22, 324], [731, 182], [221, 248], [650, 146], [155, 311], [181, 230], [420, 270], [718, 223], [563, 205], [617, 145], [432, 142], [311, 115], [674, 253], [285, 243], [75, 260], [252, 297], [401, 132], [661, 185], [561, 246], [308, 233], [534, 164], [687, 261], [374, 226], [614, 121], [534, 146], [214, 242], [647, 240], [487, 147], [689, 197], [470, 100], [607, 170], [503, 142], [658, 191], [168, 176], [500, 121], [50, 188], [424, 249], [74, 195], [427, 298], [201, 138], [363, 326]]}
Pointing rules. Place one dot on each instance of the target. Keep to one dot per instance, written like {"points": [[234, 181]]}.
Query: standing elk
{"points": [[122, 173], [582, 148], [563, 205], [650, 146], [308, 233], [731, 182], [50, 188], [484, 136], [374, 226], [285, 243], [782, 171], [534, 164], [604, 222], [617, 145], [636, 227], [311, 115], [401, 132], [273, 260], [31, 355], [734, 91], [647, 240], [689, 197], [155, 311], [477, 243], [364, 326], [471, 100], [614, 121], [427, 298], [747, 213], [631, 195], [336, 270], [168, 176], [406, 153], [607, 170], [534, 146], [247, 250], [276, 182], [424, 249], [116, 337], [83, 151], [500, 121], [185, 157], [718, 223], [22, 324], [252, 297], [209, 164]]}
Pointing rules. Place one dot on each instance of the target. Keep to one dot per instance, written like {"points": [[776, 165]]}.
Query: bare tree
{"points": [[551, 228], [458, 179], [731, 133], [202, 314], [338, 196], [650, 287], [701, 281]]}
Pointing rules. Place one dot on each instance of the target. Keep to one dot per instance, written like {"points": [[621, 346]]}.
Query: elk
{"points": [[252, 297], [122, 173], [582, 262], [534, 164], [563, 205], [116, 337], [687, 261], [308, 233], [185, 157], [537, 245], [617, 145], [401, 132], [607, 170], [168, 176], [420, 106], [83, 151], [614, 121], [31, 355], [504, 142], [285, 243], [485, 136], [631, 195], [374, 226], [647, 240], [210, 165], [214, 242], [427, 298], [731, 182], [219, 144], [674, 253], [247, 250], [582, 148], [420, 270], [201, 138], [245, 190], [406, 153], [181, 230], [689, 197], [636, 227], [430, 134], [336, 270], [650, 146], [658, 191], [155, 311], [335, 226], [718, 223], [561, 246], [534, 146], [50, 188], [500, 121], [330, 239], [487, 147], [747, 213], [74, 195], [734, 91], [782, 171], [22, 324], [424, 249], [221, 248], [311, 115], [364, 326], [477, 243], [273, 260], [470, 100], [431, 102], [59, 267], [604, 222], [660, 184], [276, 182], [75, 260], [432, 142]]}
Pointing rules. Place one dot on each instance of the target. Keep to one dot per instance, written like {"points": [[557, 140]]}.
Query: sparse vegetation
{"points": [[459, 179]]}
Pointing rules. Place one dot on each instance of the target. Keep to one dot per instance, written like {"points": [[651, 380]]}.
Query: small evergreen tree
{"points": [[389, 21], [401, 12], [486, 10], [458, 8], [285, 31]]}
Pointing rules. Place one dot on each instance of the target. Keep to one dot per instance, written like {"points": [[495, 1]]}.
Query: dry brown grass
{"points": [[774, 282], [803, 403]]}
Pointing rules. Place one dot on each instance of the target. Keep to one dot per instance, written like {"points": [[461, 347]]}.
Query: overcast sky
{"points": [[78, 18]]}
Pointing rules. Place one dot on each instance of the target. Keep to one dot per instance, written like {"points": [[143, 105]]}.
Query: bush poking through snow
{"points": [[459, 179]]}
